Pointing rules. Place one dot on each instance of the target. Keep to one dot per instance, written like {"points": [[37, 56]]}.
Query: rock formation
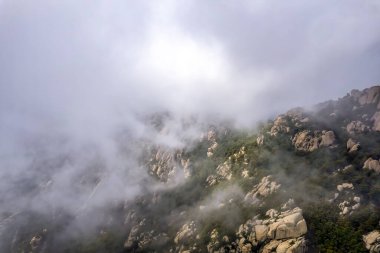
{"points": [[372, 164], [356, 127], [352, 146], [264, 188], [309, 141], [280, 232], [372, 241]]}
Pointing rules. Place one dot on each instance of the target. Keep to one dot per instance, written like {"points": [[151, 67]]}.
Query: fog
{"points": [[78, 80]]}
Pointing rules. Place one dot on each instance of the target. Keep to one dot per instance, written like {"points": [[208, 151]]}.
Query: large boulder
{"points": [[309, 141], [292, 246], [367, 96], [372, 164], [280, 232], [352, 146], [327, 138], [372, 241], [356, 127], [290, 224]]}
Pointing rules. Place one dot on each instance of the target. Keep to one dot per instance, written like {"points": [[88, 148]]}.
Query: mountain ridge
{"points": [[307, 181]]}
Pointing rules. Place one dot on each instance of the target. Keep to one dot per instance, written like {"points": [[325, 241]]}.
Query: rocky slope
{"points": [[308, 181]]}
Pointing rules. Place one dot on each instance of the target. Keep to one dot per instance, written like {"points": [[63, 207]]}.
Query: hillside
{"points": [[308, 181]]}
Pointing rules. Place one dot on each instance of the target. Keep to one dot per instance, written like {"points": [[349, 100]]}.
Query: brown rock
{"points": [[372, 164]]}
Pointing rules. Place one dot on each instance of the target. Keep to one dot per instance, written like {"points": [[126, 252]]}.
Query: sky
{"points": [[73, 73]]}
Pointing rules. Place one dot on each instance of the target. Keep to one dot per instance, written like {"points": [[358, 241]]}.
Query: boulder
{"points": [[309, 141], [372, 241], [271, 246], [290, 224], [356, 127], [367, 96], [292, 246], [343, 186], [328, 138], [261, 232], [352, 146], [372, 164]]}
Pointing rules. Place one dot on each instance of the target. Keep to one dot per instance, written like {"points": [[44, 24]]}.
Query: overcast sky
{"points": [[79, 63], [83, 69]]}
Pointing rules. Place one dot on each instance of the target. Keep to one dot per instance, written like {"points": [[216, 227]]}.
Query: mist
{"points": [[79, 81]]}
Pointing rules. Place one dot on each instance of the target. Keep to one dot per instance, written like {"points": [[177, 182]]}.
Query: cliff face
{"points": [[308, 181]]}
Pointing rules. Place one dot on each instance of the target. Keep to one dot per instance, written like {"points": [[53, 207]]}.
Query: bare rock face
{"points": [[212, 140], [289, 224], [281, 232], [352, 146], [309, 141], [165, 163], [139, 238], [260, 140], [356, 127], [367, 96], [376, 121], [266, 187], [280, 125], [327, 138], [372, 241], [224, 172], [292, 246], [186, 239], [372, 164], [187, 231], [214, 243]]}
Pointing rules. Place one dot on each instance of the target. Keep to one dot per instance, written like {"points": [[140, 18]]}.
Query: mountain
{"points": [[308, 181]]}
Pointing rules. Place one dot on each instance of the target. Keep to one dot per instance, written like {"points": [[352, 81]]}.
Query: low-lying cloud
{"points": [[77, 80]]}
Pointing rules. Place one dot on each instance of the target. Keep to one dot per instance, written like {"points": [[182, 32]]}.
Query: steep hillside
{"points": [[308, 181]]}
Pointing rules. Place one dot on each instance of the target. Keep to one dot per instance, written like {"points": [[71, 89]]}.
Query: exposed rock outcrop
{"points": [[372, 164], [188, 231], [212, 140], [266, 187], [140, 238], [280, 125], [352, 146], [309, 141], [357, 127], [260, 140], [281, 232], [165, 163], [224, 172], [372, 241], [367, 96]]}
